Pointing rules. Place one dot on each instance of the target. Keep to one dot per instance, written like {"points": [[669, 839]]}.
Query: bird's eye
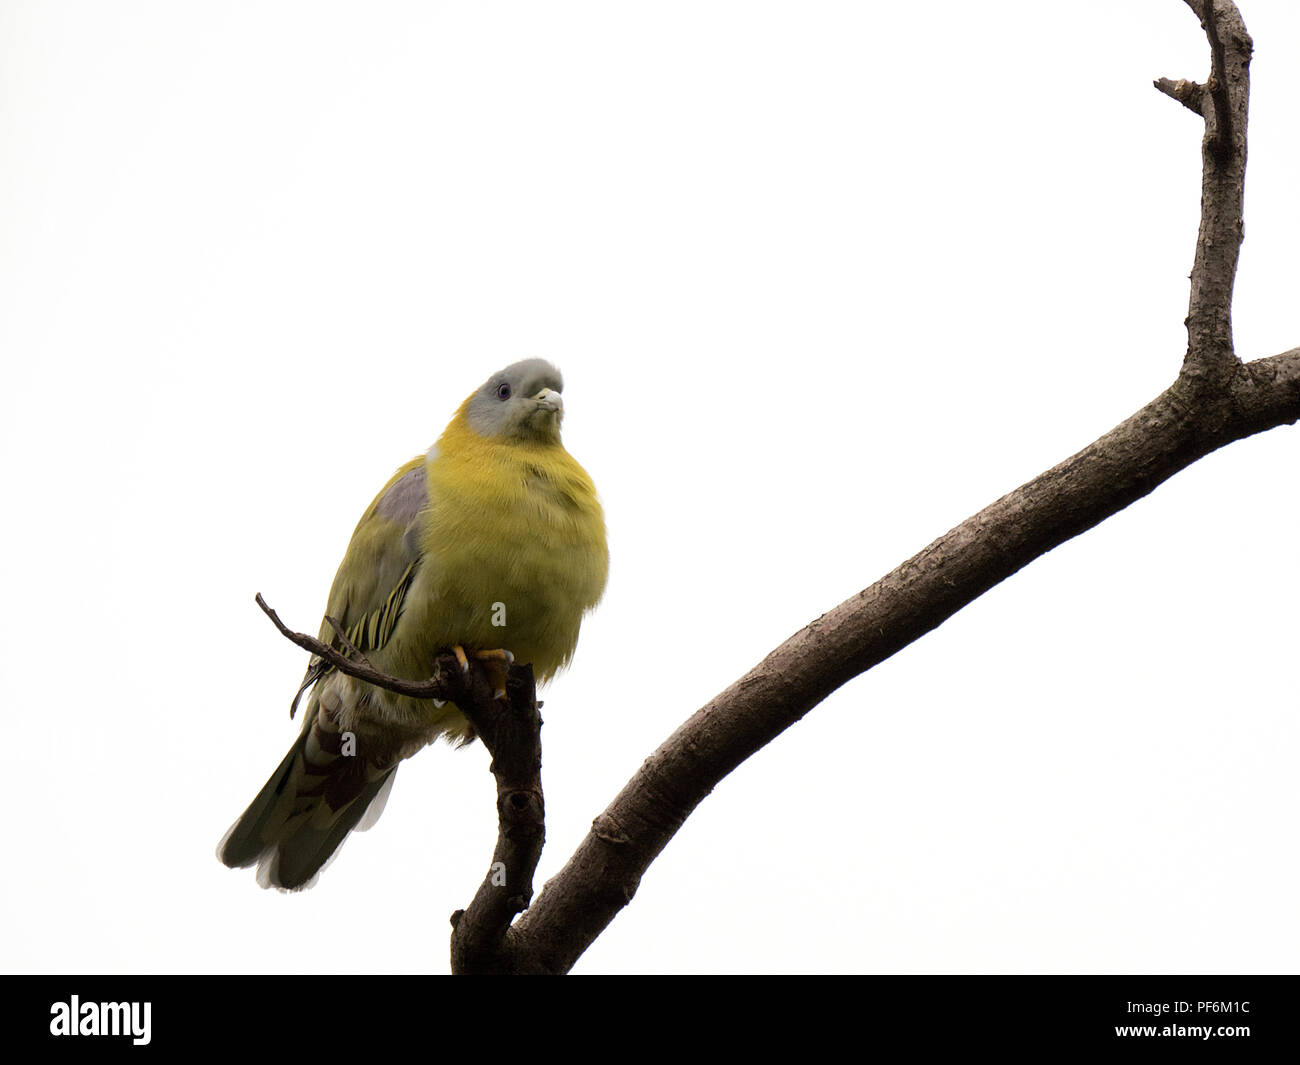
{"points": [[503, 392]]}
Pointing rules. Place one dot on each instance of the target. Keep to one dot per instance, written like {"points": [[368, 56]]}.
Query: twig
{"points": [[348, 645], [1210, 360], [482, 938], [1190, 94], [442, 685]]}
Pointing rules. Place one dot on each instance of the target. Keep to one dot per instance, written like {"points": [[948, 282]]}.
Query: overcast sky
{"points": [[824, 279]]}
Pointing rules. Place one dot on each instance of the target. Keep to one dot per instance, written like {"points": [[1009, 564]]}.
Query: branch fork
{"points": [[510, 729]]}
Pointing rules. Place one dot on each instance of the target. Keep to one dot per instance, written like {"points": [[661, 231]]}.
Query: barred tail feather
{"points": [[307, 808]]}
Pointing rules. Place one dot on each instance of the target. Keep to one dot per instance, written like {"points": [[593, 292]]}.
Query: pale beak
{"points": [[549, 399]]}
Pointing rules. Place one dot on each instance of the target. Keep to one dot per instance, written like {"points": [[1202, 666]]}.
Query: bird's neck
{"points": [[460, 435]]}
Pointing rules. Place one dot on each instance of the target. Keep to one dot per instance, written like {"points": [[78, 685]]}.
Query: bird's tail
{"points": [[316, 797]]}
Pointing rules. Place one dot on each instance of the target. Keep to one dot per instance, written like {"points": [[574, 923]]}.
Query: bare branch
{"points": [[1188, 93], [440, 686], [1210, 357], [1170, 433], [1214, 401], [1221, 142], [348, 645], [510, 729]]}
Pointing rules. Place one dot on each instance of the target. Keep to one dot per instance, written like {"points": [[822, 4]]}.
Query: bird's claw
{"points": [[497, 661]]}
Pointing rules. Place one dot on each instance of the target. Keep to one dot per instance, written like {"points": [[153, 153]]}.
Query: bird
{"points": [[492, 543]]}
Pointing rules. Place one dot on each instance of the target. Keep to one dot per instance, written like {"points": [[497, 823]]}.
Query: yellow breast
{"points": [[514, 548]]}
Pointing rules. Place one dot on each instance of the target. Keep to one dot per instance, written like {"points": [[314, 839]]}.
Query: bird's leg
{"points": [[497, 661]]}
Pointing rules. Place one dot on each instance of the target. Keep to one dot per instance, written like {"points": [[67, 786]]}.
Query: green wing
{"points": [[377, 570]]}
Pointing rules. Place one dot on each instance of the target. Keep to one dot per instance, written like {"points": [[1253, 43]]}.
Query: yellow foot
{"points": [[497, 660]]}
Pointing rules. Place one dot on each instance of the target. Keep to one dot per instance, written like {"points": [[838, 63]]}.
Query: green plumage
{"points": [[495, 539]]}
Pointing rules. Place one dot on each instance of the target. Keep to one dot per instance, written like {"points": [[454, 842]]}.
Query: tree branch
{"points": [[1210, 354], [1166, 436], [1214, 401], [348, 645], [510, 729], [1188, 93], [1224, 118], [441, 685]]}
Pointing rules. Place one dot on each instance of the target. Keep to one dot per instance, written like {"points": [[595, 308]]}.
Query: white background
{"points": [[823, 279]]}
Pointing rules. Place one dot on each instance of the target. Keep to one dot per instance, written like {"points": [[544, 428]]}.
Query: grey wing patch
{"points": [[405, 499], [403, 503]]}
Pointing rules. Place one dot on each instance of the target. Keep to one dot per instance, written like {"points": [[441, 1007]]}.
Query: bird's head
{"points": [[521, 402]]}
